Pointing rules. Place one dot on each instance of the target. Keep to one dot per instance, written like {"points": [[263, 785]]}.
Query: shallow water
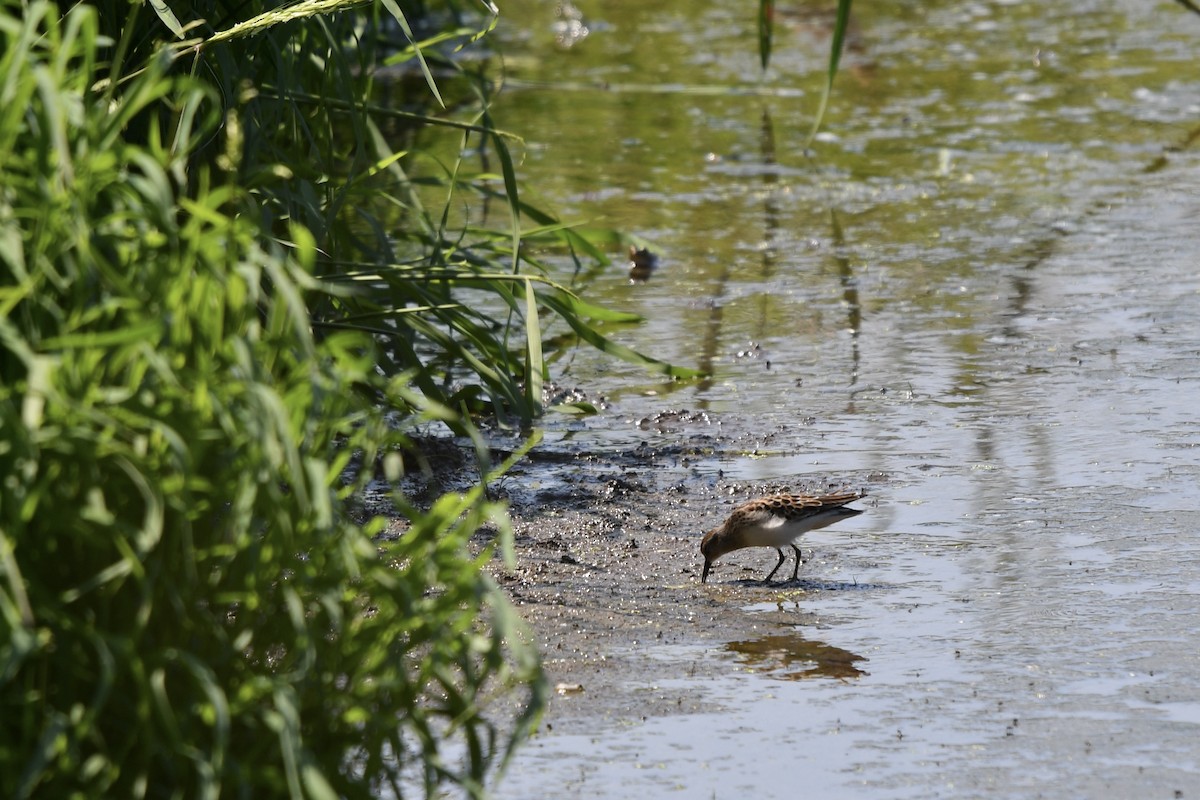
{"points": [[980, 301]]}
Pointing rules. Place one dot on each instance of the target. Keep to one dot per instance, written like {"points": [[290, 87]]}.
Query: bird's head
{"points": [[711, 548]]}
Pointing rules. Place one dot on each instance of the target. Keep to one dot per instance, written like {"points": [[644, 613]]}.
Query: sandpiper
{"points": [[775, 521]]}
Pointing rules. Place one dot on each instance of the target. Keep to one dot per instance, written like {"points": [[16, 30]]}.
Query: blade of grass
{"points": [[398, 15], [766, 23], [168, 17], [835, 57], [510, 190], [606, 345], [534, 366]]}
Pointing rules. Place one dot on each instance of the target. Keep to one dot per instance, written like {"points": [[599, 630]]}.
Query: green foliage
{"points": [[840, 26], [436, 255], [187, 605], [766, 30], [766, 34]]}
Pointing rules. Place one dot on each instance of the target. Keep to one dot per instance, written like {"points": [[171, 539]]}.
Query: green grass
{"points": [[188, 604], [766, 38], [233, 273]]}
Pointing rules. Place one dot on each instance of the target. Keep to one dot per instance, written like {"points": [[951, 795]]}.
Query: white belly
{"points": [[777, 532]]}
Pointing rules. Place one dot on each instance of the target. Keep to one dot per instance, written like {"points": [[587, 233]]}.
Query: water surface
{"points": [[978, 297]]}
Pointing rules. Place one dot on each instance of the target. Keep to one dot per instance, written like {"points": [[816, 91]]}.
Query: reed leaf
{"points": [[187, 602], [840, 26], [534, 366], [766, 30], [606, 345]]}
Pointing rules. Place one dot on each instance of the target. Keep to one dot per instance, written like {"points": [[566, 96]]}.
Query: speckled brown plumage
{"points": [[775, 521]]}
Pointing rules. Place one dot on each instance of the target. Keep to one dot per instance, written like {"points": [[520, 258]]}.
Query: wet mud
{"points": [[608, 578]]}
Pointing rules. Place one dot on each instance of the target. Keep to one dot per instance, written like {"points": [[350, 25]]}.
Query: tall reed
{"points": [[189, 605]]}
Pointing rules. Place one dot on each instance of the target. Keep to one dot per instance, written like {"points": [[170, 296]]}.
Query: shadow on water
{"points": [[789, 656], [807, 585]]}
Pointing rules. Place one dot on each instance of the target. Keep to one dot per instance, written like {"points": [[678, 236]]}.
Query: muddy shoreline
{"points": [[608, 579]]}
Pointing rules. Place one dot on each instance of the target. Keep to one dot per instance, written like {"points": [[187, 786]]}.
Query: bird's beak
{"points": [[707, 567]]}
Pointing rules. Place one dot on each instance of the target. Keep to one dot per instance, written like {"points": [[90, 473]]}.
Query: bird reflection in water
{"points": [[789, 656]]}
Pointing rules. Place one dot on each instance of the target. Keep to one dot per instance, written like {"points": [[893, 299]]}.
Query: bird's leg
{"points": [[799, 561], [778, 564]]}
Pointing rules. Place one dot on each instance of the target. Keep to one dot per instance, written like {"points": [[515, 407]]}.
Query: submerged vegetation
{"points": [[231, 278]]}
